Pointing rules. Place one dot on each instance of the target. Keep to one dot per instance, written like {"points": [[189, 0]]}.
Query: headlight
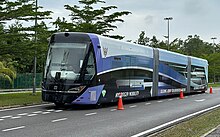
{"points": [[76, 89]]}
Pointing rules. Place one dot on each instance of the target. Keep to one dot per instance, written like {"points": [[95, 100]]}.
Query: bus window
{"points": [[90, 67]]}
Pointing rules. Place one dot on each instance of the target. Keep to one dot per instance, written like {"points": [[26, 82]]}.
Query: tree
{"points": [[43, 34], [176, 45], [17, 42], [154, 42], [162, 45], [143, 40], [214, 66], [88, 19], [194, 46], [21, 10]]}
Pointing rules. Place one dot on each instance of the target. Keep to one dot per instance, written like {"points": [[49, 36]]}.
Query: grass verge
{"points": [[195, 127], [214, 85], [21, 99]]}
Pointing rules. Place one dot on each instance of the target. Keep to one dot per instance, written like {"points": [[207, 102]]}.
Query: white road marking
{"points": [[57, 111], [90, 114], [15, 128], [206, 134], [16, 117], [31, 115], [134, 106], [170, 99], [201, 100], [148, 104], [146, 132], [7, 116], [26, 107], [57, 120], [1, 119], [51, 110], [160, 101], [45, 113], [186, 96], [23, 114], [113, 109], [37, 112]]}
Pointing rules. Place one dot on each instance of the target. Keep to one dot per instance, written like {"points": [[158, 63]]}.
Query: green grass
{"points": [[195, 127], [21, 99], [214, 85]]}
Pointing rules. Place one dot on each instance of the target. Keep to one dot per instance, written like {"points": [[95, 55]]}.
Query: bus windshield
{"points": [[66, 59]]}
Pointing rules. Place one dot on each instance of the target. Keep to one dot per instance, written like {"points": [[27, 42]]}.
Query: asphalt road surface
{"points": [[72, 121]]}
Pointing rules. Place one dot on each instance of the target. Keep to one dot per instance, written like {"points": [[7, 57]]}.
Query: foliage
{"points": [[21, 10], [88, 19], [154, 42], [176, 45], [143, 40], [17, 41], [7, 73], [194, 46]]}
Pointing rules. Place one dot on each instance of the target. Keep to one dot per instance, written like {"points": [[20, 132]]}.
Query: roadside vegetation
{"points": [[195, 127], [19, 99], [214, 85], [7, 73]]}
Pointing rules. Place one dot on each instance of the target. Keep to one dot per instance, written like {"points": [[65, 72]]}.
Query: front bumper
{"points": [[59, 97]]}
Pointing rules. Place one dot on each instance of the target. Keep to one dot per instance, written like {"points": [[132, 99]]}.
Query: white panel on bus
{"points": [[113, 47]]}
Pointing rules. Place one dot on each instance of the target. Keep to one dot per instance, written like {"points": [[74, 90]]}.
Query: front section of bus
{"points": [[70, 68]]}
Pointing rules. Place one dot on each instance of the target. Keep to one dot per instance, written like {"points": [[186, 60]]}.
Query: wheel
{"points": [[58, 104]]}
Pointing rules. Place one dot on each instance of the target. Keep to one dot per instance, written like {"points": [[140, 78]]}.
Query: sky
{"points": [[190, 17]]}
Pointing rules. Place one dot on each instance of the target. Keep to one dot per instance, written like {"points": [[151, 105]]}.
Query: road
{"points": [[72, 121]]}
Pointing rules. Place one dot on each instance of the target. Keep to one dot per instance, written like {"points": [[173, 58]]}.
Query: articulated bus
{"points": [[85, 68]]}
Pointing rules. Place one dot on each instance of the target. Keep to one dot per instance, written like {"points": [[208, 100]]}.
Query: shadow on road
{"points": [[72, 107]]}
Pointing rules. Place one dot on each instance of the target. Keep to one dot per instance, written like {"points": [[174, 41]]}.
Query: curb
{"points": [[3, 93], [17, 90], [17, 107]]}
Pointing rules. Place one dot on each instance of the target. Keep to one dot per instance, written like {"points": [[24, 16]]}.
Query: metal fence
{"points": [[22, 81]]}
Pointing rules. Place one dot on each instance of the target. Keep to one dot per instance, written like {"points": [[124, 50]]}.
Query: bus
{"points": [[86, 68]]}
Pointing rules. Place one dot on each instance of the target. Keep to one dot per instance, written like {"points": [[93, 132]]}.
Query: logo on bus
{"points": [[172, 90], [105, 51], [128, 94]]}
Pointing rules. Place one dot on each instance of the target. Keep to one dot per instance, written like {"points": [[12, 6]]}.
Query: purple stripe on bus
{"points": [[90, 96]]}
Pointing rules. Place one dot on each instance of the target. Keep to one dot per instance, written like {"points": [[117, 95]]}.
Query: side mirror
{"points": [[57, 76]]}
